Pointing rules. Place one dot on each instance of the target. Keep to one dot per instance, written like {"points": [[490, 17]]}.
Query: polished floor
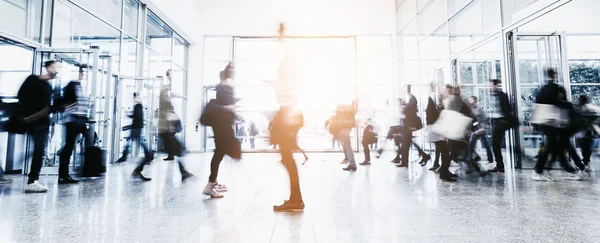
{"points": [[379, 203]]}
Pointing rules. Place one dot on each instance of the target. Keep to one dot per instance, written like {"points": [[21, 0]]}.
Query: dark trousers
{"points": [[442, 148], [407, 141], [553, 145], [223, 135], [367, 150], [586, 148], [473, 152], [73, 129], [173, 147], [438, 153], [565, 143], [497, 138], [252, 145], [136, 135], [287, 146], [169, 154], [39, 135]]}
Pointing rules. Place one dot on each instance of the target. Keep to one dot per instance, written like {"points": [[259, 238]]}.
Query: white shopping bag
{"points": [[452, 125], [432, 137], [549, 115]]}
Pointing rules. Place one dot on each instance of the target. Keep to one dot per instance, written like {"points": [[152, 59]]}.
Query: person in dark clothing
{"points": [[411, 121], [550, 95], [432, 113], [135, 134], [170, 157], [456, 103], [368, 138], [590, 114], [35, 96], [76, 113], [442, 145], [223, 132], [500, 115]]}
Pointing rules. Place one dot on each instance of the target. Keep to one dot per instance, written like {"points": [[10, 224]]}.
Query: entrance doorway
{"points": [[532, 54]]}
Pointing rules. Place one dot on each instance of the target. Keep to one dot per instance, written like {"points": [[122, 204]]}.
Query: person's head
{"points": [[432, 86], [168, 74], [408, 89], [494, 84], [456, 90], [281, 30], [448, 90], [551, 74], [81, 73], [136, 97], [228, 72], [51, 69], [473, 100], [583, 99]]}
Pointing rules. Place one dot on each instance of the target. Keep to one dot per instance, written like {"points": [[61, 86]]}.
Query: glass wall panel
{"points": [[22, 18], [217, 48], [158, 35], [109, 10], [15, 65], [48, 24], [211, 72], [406, 12], [74, 28], [131, 17], [129, 56], [480, 19], [432, 16], [408, 36], [178, 82], [455, 5], [511, 10], [180, 51], [155, 64]]}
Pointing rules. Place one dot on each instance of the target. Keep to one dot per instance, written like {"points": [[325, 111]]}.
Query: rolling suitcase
{"points": [[93, 164]]}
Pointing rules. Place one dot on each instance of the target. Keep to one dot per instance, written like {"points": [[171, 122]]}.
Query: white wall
{"points": [[302, 17]]}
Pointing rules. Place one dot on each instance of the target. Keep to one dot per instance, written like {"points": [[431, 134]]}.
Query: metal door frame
{"points": [[116, 145], [95, 69], [513, 75]]}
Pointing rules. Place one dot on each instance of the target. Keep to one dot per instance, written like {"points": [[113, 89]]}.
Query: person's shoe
{"points": [[344, 161], [396, 161], [496, 169], [148, 159], [379, 152], [121, 160], [425, 159], [477, 158], [575, 176], [350, 168], [402, 165], [170, 158], [67, 180], [139, 176], [540, 177], [435, 167], [209, 191], [35, 187], [186, 175], [4, 180], [220, 188], [586, 162], [447, 177], [288, 206], [365, 163]]}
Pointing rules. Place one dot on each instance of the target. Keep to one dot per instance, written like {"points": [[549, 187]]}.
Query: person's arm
{"points": [[44, 112]]}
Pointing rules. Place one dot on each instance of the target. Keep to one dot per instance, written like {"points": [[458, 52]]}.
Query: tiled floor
{"points": [[380, 203]]}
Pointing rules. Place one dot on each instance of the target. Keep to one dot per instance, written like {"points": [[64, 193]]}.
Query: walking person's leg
{"points": [[445, 168], [367, 152], [586, 148], [39, 135], [438, 154], [295, 201], [488, 150], [497, 138], [344, 136]]}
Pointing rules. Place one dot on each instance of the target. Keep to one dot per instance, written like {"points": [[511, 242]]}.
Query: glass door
{"points": [[147, 92], [532, 55]]}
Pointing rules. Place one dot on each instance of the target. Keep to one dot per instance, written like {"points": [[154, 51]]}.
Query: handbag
{"points": [[452, 125], [174, 122], [215, 113], [415, 124], [549, 115]]}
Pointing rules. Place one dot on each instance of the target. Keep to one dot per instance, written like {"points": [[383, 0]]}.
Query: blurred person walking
{"points": [[501, 121], [223, 119], [253, 131], [432, 112], [480, 128], [411, 122], [369, 137], [441, 143], [550, 95], [456, 103], [35, 96], [76, 118], [170, 156], [286, 123], [135, 133], [168, 125], [590, 114]]}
